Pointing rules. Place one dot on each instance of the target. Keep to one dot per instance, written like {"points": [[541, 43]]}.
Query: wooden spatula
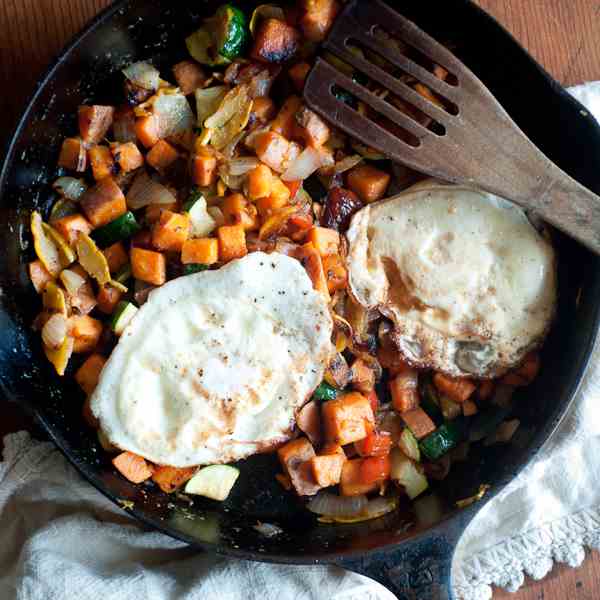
{"points": [[472, 141]]}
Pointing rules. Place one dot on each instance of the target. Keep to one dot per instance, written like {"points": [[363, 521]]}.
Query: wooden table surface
{"points": [[562, 34]]}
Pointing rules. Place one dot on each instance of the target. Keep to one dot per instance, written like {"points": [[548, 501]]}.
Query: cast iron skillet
{"points": [[410, 551]]}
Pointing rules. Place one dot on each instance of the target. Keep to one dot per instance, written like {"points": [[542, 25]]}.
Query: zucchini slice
{"points": [[122, 316], [121, 228], [214, 482], [440, 441], [406, 473], [325, 392]]}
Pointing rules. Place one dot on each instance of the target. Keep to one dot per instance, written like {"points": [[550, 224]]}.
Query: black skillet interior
{"points": [[155, 29]]}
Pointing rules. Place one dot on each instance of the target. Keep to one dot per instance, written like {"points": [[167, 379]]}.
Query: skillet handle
{"points": [[419, 569]]}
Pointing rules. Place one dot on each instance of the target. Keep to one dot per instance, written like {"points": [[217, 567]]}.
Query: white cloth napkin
{"points": [[62, 539]]}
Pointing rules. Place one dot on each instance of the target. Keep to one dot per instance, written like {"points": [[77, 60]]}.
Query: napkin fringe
{"points": [[533, 553]]}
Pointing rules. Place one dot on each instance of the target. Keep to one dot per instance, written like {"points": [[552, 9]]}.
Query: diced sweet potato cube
{"points": [[526, 373], [39, 275], [238, 211], [351, 481], [86, 332], [169, 479], [259, 182], [327, 470], [162, 155], [102, 162], [363, 377], [278, 198], [116, 257], [349, 418], [127, 156], [108, 297], [94, 122], [298, 74], [418, 421], [326, 241], [154, 211], [311, 128], [332, 449], [275, 150], [336, 273], [204, 251], [403, 388], [455, 388], [73, 155], [469, 408], [263, 110], [275, 41], [88, 374], [171, 231], [147, 130], [232, 242], [294, 458], [204, 167], [70, 226], [133, 467], [189, 76], [377, 443], [317, 18], [311, 261], [148, 266], [285, 121], [375, 469], [369, 183], [308, 421], [103, 203]]}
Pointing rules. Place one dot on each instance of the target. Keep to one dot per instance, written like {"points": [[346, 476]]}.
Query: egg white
{"points": [[214, 366]]}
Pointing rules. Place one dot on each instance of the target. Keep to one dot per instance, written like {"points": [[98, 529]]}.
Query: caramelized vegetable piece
{"points": [[108, 298], [189, 76], [263, 110], [311, 261], [73, 155], [169, 479], [298, 74], [339, 209], [85, 332], [102, 162], [88, 374], [203, 251], [103, 203], [204, 167], [238, 211], [308, 421], [148, 266], [317, 18], [457, 389], [335, 273], [418, 421], [275, 41], [403, 388], [92, 259], [327, 470], [363, 377], [162, 156], [132, 467], [352, 482], [232, 242], [53, 298], [311, 128], [94, 122], [60, 357], [349, 418], [147, 130], [526, 373], [369, 183], [275, 150], [375, 469], [44, 246], [259, 182], [155, 211], [70, 227], [326, 241], [338, 373], [285, 122], [375, 444], [469, 408], [294, 458], [39, 275], [127, 156], [171, 231], [116, 257]]}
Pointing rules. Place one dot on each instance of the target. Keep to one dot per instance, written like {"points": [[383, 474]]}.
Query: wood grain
{"points": [[562, 34]]}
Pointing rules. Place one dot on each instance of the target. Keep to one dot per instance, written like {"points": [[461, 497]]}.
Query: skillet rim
{"points": [[458, 518]]}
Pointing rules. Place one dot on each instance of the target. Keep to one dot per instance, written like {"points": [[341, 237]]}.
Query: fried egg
{"points": [[468, 282], [215, 365]]}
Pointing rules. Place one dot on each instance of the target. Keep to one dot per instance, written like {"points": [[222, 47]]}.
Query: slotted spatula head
{"points": [[460, 133]]}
